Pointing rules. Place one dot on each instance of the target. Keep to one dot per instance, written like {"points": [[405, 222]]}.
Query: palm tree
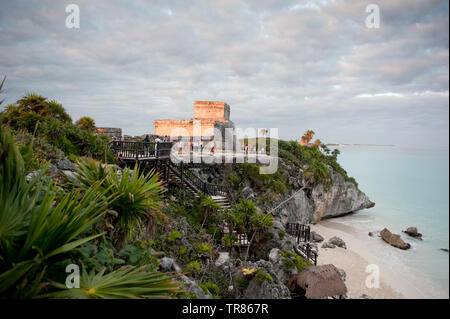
{"points": [[209, 206], [335, 153], [86, 123], [138, 196], [32, 230], [309, 135], [317, 143], [306, 138], [35, 232]]}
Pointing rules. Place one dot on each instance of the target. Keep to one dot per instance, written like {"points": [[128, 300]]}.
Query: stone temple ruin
{"points": [[210, 121]]}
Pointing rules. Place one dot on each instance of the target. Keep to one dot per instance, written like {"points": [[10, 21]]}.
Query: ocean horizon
{"points": [[410, 187]]}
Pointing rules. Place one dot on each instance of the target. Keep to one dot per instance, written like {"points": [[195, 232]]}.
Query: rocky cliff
{"points": [[320, 202]]}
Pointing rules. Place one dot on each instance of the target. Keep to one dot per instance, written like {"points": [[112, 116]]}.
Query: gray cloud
{"points": [[294, 65]]}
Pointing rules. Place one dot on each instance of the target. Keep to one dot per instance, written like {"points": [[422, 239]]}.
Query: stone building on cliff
{"points": [[210, 121]]}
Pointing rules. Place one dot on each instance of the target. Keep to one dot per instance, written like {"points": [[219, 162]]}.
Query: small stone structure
{"points": [[109, 131], [210, 119]]}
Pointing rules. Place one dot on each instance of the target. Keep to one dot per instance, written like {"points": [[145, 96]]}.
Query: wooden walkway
{"points": [[141, 151]]}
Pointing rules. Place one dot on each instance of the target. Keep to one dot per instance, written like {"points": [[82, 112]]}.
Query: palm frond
{"points": [[124, 283]]}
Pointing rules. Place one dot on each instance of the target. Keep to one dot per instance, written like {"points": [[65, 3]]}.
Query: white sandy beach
{"points": [[354, 261]]}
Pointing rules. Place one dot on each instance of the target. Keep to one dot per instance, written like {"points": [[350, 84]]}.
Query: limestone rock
{"points": [[192, 287], [65, 165], [413, 232], [223, 260], [166, 264], [70, 175], [394, 239], [328, 245], [337, 242], [266, 290], [248, 193], [276, 260], [315, 237]]}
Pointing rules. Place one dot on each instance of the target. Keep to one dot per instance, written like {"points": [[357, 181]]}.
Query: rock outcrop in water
{"points": [[394, 239], [413, 232]]}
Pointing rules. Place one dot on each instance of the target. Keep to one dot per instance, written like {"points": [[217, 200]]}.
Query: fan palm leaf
{"points": [[124, 283]]}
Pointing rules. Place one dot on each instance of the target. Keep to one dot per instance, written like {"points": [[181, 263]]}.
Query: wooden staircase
{"points": [[195, 186], [173, 178], [222, 201]]}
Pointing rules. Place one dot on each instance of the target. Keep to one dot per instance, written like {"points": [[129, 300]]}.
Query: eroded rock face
{"points": [[312, 205], [340, 199], [413, 232], [394, 239]]}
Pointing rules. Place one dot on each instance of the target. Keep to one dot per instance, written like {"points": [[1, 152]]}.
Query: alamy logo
{"points": [[73, 279], [373, 19], [73, 19], [373, 279]]}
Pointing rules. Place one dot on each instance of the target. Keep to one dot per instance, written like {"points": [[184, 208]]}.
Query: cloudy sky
{"points": [[293, 65]]}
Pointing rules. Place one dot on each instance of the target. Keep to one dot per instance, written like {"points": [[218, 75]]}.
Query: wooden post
{"points": [[181, 177], [137, 150]]}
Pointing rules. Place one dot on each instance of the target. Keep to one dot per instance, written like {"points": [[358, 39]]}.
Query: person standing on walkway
{"points": [[122, 164], [157, 141]]}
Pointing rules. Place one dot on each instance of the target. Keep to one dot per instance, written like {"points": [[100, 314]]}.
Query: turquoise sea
{"points": [[410, 188]]}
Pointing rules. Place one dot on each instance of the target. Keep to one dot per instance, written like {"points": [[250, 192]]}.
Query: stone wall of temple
{"points": [[219, 111], [184, 127], [211, 119]]}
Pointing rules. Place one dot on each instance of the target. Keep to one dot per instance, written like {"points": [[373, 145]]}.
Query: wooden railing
{"points": [[141, 150], [306, 252], [196, 182], [301, 232]]}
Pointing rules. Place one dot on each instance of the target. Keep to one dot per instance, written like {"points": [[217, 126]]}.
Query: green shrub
{"points": [[174, 235], [209, 287], [262, 275], [242, 283], [203, 248], [194, 267], [292, 260]]}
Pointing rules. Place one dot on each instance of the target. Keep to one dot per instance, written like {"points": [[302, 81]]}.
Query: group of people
{"points": [[254, 150], [194, 146], [158, 139]]}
